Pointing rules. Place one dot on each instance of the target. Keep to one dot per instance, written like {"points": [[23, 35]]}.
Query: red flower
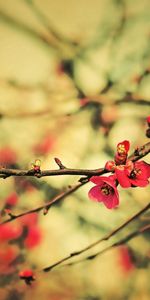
{"points": [[122, 152], [45, 146], [9, 232], [7, 256], [123, 147], [133, 174], [7, 156], [29, 220], [33, 238], [125, 259], [105, 191], [12, 199]]}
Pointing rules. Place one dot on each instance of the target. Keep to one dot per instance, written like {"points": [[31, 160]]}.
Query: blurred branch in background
{"points": [[105, 238]]}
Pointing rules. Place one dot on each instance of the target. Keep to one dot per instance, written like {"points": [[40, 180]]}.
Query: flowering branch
{"points": [[104, 238], [4, 173]]}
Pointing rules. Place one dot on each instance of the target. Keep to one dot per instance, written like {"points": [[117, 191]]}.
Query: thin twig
{"points": [[104, 238], [47, 205], [46, 23]]}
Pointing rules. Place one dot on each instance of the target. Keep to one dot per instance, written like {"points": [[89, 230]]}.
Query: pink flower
{"points": [[133, 174], [105, 191]]}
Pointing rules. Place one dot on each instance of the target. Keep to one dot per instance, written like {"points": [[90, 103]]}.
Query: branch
{"points": [[46, 206], [46, 23], [4, 173], [24, 28], [117, 244], [105, 238]]}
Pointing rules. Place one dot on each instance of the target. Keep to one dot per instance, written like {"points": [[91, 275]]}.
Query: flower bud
{"points": [[27, 275], [110, 165]]}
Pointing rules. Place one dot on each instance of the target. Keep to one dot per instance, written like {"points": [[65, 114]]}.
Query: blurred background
{"points": [[74, 81]]}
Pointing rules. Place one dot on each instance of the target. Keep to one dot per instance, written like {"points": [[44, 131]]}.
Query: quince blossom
{"points": [[133, 174], [104, 191]]}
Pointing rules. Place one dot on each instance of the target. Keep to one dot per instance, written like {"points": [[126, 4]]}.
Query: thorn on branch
{"points": [[59, 163]]}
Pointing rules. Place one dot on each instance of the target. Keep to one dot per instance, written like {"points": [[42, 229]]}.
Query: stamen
{"points": [[106, 189], [135, 173], [121, 149]]}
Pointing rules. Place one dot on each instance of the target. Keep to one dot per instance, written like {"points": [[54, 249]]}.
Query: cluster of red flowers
{"points": [[14, 232], [126, 173]]}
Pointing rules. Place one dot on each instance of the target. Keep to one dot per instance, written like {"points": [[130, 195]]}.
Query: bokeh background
{"points": [[74, 81]]}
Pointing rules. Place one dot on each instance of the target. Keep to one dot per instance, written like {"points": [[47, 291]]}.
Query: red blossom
{"points": [[33, 238], [125, 260], [29, 220], [7, 256], [105, 191], [123, 147], [122, 152], [11, 200], [45, 146], [10, 232], [7, 156], [133, 174]]}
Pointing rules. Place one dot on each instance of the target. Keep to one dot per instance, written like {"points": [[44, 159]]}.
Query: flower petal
{"points": [[122, 177], [95, 194], [96, 179], [139, 182], [144, 167], [111, 201]]}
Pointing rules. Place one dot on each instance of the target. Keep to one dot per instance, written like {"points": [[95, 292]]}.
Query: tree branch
{"points": [[104, 238], [4, 173]]}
